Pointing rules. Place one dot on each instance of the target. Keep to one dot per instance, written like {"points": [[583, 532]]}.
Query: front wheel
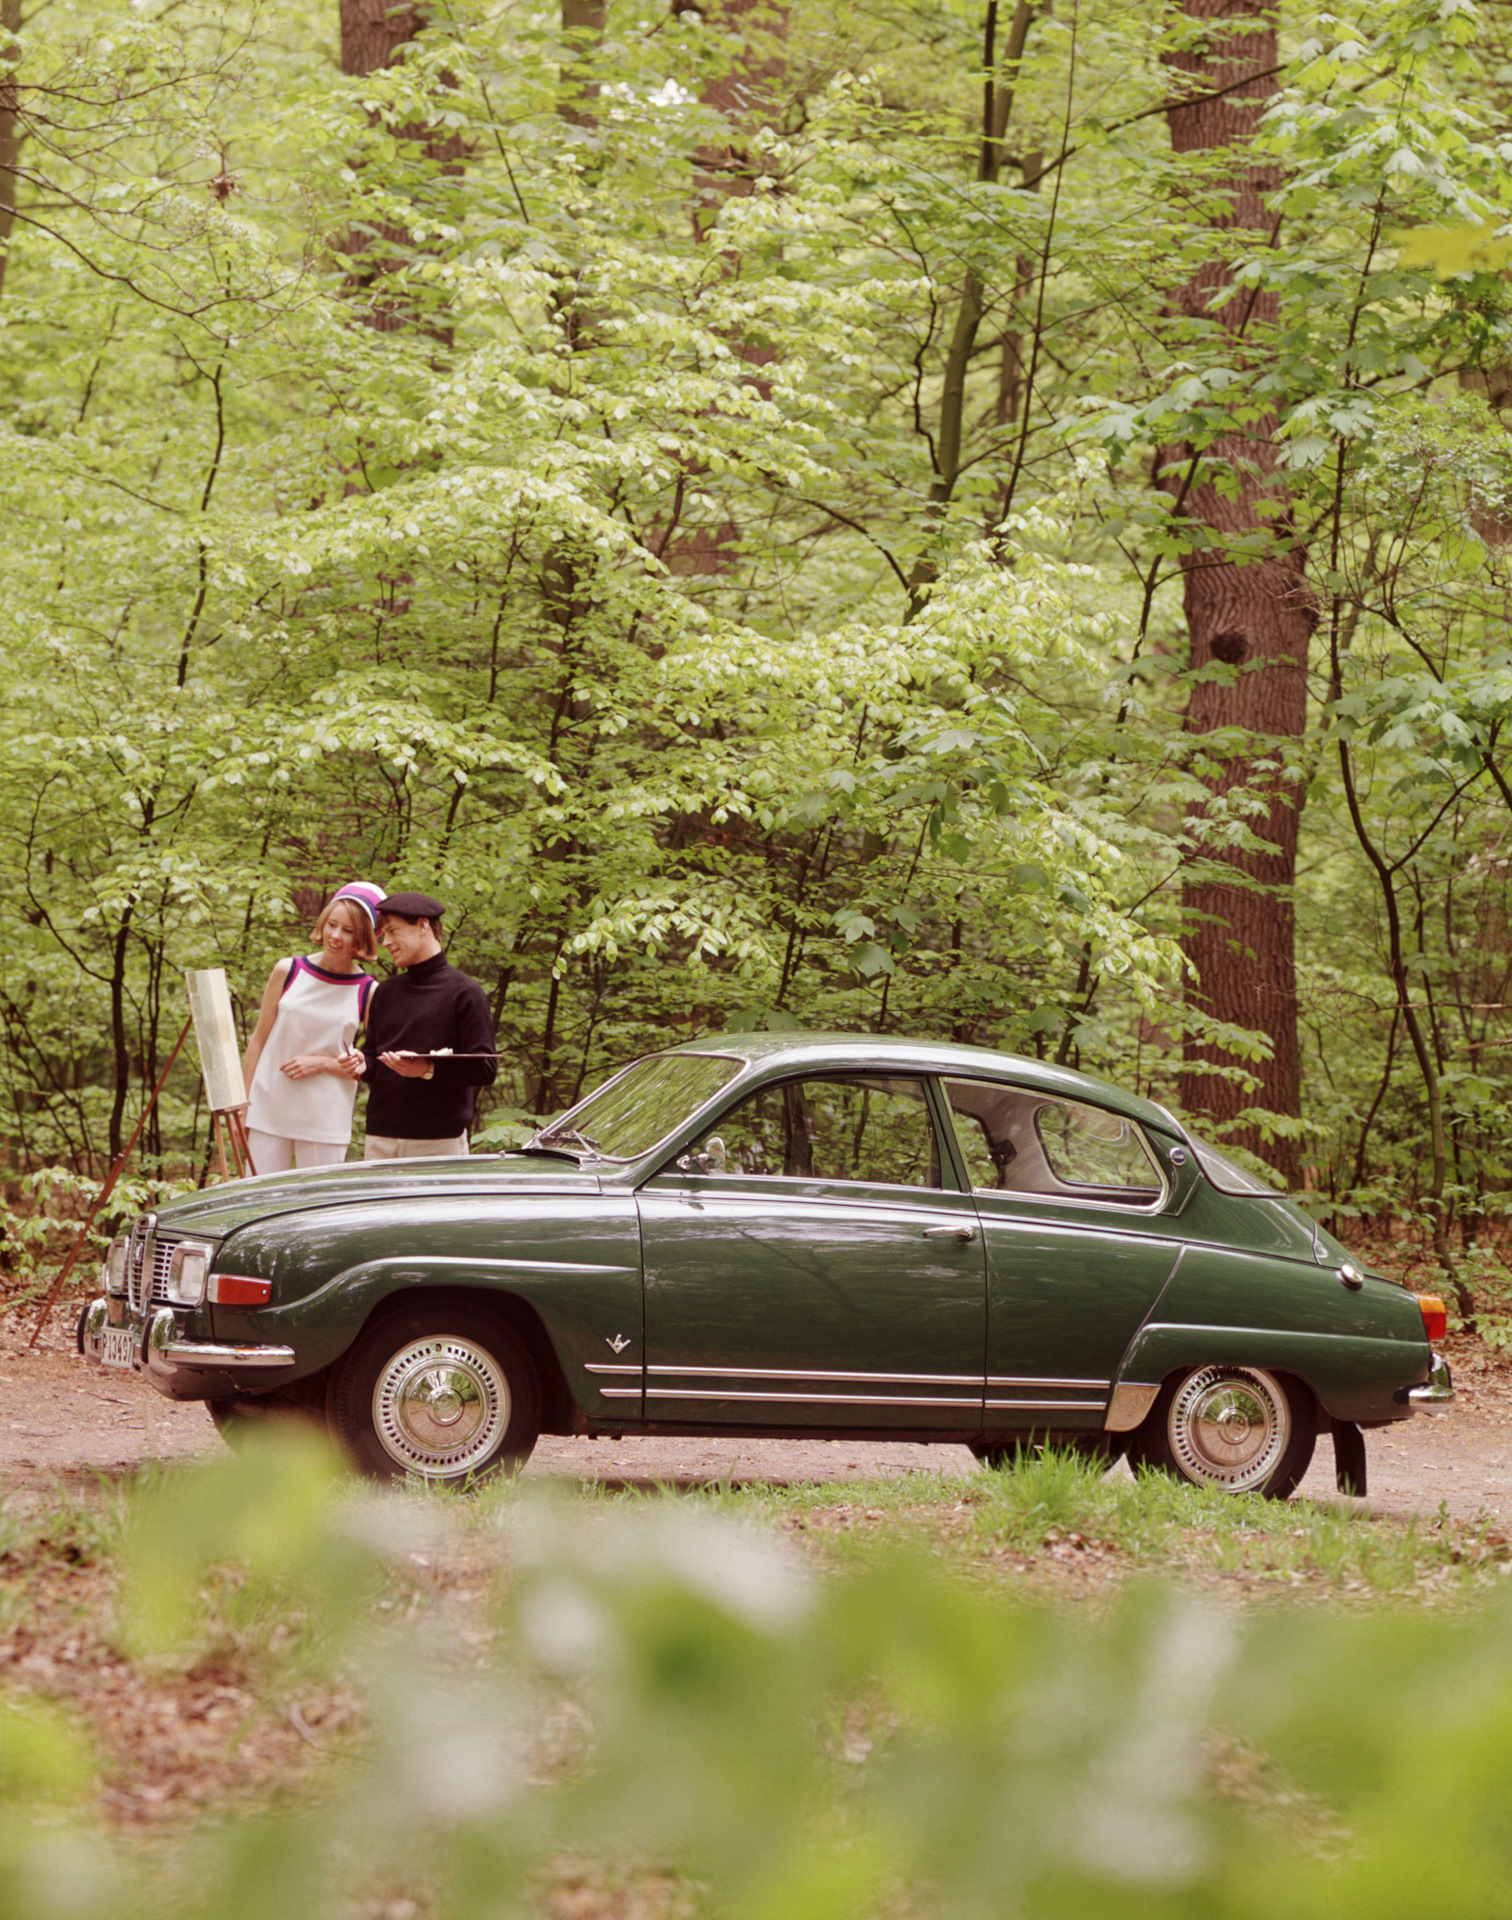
{"points": [[446, 1393], [1238, 1429]]}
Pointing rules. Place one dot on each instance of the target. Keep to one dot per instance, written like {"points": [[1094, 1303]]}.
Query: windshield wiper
{"points": [[549, 1139]]}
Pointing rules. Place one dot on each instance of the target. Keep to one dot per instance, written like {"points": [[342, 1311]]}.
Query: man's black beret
{"points": [[412, 906]]}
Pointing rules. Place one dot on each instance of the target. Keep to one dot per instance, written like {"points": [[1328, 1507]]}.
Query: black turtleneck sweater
{"points": [[416, 1010]]}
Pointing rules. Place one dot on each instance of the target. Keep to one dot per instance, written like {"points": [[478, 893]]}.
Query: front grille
{"points": [[162, 1253], [136, 1247], [147, 1247]]}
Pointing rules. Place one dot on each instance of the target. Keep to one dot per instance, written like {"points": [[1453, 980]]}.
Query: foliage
{"points": [[670, 1692], [573, 528]]}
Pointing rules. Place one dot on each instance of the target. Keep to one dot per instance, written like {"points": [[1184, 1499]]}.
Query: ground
{"points": [[61, 1418]]}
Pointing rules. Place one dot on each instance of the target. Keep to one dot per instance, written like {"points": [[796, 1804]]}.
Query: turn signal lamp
{"points": [[115, 1269], [238, 1290], [1435, 1316]]}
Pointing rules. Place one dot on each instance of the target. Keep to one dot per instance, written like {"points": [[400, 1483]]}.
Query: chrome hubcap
{"points": [[1229, 1427], [441, 1406]]}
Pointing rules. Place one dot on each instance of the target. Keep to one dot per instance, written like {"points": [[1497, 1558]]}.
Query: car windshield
{"points": [[641, 1106], [1225, 1175]]}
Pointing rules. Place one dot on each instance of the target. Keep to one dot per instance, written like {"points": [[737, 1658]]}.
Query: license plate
{"points": [[119, 1349]]}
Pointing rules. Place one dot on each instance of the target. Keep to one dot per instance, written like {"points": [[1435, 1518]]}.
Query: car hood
{"points": [[218, 1210]]}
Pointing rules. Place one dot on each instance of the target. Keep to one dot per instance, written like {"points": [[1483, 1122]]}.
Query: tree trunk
{"points": [[374, 34], [373, 31], [1255, 618], [10, 125]]}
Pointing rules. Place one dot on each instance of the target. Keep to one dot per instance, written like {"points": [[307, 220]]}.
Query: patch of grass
{"points": [[1056, 1517]]}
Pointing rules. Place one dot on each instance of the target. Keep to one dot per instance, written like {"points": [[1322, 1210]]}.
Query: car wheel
{"points": [[1239, 1429], [1103, 1448], [446, 1393]]}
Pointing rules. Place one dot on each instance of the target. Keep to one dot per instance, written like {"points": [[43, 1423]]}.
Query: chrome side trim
{"points": [[166, 1354], [1044, 1380], [606, 1368], [1436, 1392], [619, 1393], [1131, 1401], [819, 1373], [812, 1399], [1040, 1406]]}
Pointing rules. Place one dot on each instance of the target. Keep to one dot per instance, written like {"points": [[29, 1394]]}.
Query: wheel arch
{"points": [[521, 1317], [1349, 1376]]}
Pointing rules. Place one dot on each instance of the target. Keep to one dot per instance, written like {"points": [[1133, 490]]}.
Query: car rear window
{"points": [[642, 1105], [1015, 1141]]}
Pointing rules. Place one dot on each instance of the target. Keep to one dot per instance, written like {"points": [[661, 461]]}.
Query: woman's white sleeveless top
{"points": [[319, 1012]]}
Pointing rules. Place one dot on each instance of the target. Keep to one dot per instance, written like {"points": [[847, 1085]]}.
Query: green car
{"points": [[787, 1235]]}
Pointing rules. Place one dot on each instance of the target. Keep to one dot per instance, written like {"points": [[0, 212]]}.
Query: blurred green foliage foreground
{"points": [[663, 1692]]}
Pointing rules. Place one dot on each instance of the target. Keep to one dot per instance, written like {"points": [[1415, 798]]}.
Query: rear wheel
{"points": [[444, 1392], [1239, 1429]]}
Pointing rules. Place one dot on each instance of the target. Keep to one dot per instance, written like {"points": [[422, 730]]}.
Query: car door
{"points": [[1070, 1199], [810, 1262]]}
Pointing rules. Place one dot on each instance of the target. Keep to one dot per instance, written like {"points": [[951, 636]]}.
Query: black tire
{"points": [[443, 1391], [1001, 1451], [1239, 1429]]}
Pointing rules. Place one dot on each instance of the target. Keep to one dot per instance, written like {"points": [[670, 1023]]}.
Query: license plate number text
{"points": [[119, 1349]]}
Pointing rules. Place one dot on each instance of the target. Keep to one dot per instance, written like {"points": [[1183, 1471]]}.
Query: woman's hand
{"points": [[304, 1064]]}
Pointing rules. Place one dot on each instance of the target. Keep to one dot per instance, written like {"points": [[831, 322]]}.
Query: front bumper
{"points": [[1436, 1392], [179, 1368]]}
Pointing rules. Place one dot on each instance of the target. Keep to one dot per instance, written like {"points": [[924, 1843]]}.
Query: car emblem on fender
{"points": [[619, 1342]]}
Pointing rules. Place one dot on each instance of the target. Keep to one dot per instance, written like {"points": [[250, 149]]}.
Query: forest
{"points": [[964, 518]]}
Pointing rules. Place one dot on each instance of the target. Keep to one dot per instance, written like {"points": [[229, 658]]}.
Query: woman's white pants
{"points": [[271, 1153]]}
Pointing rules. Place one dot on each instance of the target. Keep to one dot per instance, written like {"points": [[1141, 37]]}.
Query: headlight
{"points": [[115, 1268], [188, 1268]]}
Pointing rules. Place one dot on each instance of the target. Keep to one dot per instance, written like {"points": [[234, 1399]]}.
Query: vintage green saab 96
{"points": [[788, 1235]]}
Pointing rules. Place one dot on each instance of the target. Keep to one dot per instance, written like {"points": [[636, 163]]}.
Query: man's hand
{"points": [[411, 1065], [351, 1063]]}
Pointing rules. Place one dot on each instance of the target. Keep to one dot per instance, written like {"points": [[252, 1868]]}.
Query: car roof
{"points": [[883, 1054]]}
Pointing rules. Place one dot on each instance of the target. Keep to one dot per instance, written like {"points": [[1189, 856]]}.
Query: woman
{"points": [[301, 1085]]}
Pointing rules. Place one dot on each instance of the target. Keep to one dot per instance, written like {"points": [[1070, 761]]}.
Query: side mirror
{"points": [[710, 1160]]}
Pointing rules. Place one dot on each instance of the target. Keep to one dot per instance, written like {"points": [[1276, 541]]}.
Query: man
{"points": [[419, 1104]]}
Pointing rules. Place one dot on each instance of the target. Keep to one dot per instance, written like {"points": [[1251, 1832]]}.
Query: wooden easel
{"points": [[234, 1120]]}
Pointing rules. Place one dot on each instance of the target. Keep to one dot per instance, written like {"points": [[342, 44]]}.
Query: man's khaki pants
{"points": [[386, 1146]]}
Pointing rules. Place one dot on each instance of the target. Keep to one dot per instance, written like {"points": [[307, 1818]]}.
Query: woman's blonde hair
{"points": [[357, 921]]}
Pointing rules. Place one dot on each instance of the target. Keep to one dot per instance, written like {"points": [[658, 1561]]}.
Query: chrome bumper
{"points": [[1436, 1392], [164, 1356]]}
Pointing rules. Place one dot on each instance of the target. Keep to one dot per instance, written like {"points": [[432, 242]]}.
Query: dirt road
{"points": [[61, 1419]]}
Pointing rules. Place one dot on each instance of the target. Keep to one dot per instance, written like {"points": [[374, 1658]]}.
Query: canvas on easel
{"points": [[220, 1062]]}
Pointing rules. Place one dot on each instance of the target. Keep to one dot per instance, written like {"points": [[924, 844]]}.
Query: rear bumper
{"points": [[1436, 1392], [179, 1368]]}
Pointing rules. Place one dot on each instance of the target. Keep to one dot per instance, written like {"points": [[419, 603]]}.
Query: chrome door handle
{"points": [[963, 1234]]}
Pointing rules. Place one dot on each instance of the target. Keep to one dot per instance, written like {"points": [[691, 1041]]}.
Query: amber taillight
{"points": [[1435, 1316], [236, 1290]]}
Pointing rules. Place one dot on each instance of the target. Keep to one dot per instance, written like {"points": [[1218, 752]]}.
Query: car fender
{"points": [[1359, 1350], [582, 1309]]}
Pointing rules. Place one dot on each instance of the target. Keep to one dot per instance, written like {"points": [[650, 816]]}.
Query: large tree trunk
{"points": [[1254, 618], [374, 34]]}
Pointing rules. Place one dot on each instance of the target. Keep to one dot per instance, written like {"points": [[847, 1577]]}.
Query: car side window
{"points": [[871, 1127], [1014, 1141]]}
